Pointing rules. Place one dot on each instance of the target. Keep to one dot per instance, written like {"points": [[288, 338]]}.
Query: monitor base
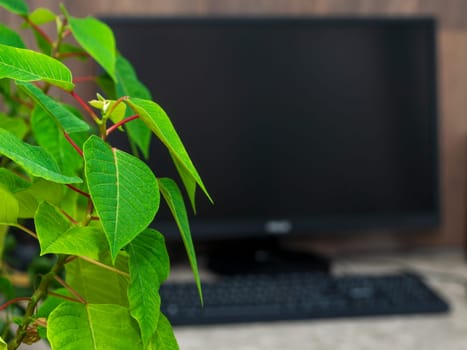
{"points": [[262, 256]]}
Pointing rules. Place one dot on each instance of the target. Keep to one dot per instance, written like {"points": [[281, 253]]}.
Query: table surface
{"points": [[445, 271]]}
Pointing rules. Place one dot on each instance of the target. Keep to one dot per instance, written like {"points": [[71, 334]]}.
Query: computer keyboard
{"points": [[298, 296]]}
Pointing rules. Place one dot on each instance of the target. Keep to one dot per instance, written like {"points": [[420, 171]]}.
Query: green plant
{"points": [[90, 204]]}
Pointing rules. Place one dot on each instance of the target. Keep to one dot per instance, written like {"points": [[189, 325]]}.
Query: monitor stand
{"points": [[261, 256]]}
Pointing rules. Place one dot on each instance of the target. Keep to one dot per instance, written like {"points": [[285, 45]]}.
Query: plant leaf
{"points": [[51, 302], [50, 137], [158, 121], [10, 37], [57, 235], [41, 15], [75, 326], [16, 6], [9, 208], [123, 189], [69, 122], [82, 241], [33, 159], [13, 182], [188, 182], [164, 338], [27, 65], [128, 84], [98, 285], [149, 267], [41, 190], [174, 199], [3, 345], [97, 39], [14, 125]]}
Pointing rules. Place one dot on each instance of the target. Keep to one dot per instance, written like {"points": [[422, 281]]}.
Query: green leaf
{"points": [[3, 345], [41, 16], [17, 126], [158, 121], [28, 65], [57, 235], [16, 6], [128, 84], [174, 199], [9, 208], [97, 39], [110, 108], [81, 241], [149, 267], [33, 159], [69, 122], [51, 302], [41, 190], [164, 338], [188, 182], [98, 285], [50, 137], [13, 182], [73, 326], [123, 189], [10, 37]]}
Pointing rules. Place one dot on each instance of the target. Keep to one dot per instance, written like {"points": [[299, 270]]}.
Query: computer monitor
{"points": [[298, 126]]}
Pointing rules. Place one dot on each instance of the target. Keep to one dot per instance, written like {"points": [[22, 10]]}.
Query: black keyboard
{"points": [[298, 296]]}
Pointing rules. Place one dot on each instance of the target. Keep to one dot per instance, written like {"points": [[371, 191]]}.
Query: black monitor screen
{"points": [[296, 125]]}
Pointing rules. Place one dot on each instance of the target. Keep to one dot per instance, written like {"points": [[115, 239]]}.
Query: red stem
{"points": [[38, 30], [71, 187], [13, 301], [120, 123], [72, 54], [78, 80], [71, 290], [73, 221], [64, 297], [73, 143], [120, 100], [85, 106], [66, 32]]}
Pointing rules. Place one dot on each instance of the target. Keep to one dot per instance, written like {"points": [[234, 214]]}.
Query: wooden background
{"points": [[452, 78]]}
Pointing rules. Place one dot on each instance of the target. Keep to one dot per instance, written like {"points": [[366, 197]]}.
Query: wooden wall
{"points": [[452, 77]]}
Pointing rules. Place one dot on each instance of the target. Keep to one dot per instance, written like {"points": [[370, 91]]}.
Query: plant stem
{"points": [[64, 297], [25, 229], [120, 123], [38, 30], [69, 217], [83, 79], [86, 107], [38, 294], [104, 266], [13, 301], [120, 100], [73, 143], [73, 188], [71, 290], [60, 36]]}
